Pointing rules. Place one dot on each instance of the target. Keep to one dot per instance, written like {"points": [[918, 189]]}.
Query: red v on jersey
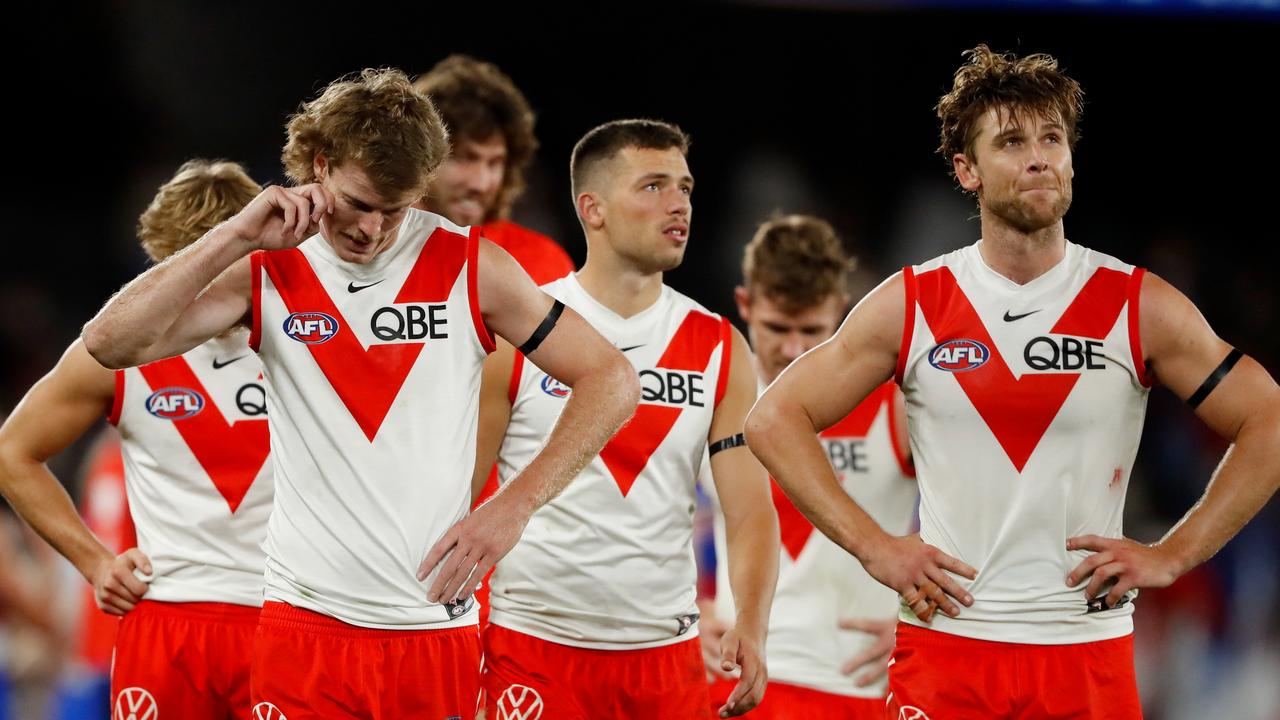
{"points": [[627, 454], [231, 454], [794, 527], [367, 380], [1018, 410]]}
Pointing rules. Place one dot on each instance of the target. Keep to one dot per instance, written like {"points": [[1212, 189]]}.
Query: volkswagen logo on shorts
{"points": [[175, 403], [907, 712], [267, 711], [134, 703], [960, 355], [519, 702], [555, 388], [311, 328]]}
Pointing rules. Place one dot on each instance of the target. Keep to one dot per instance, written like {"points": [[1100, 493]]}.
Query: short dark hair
{"points": [[1021, 85], [603, 142], [476, 100], [796, 261]]}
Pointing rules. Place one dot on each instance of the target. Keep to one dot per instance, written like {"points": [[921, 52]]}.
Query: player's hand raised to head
{"points": [[116, 589], [282, 217], [473, 545], [1131, 564], [743, 654], [919, 573]]}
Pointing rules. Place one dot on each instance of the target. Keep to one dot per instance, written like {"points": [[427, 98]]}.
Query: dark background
{"points": [[822, 108]]}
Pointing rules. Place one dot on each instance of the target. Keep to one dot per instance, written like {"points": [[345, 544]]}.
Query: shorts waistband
{"points": [[936, 638], [216, 611], [285, 616]]}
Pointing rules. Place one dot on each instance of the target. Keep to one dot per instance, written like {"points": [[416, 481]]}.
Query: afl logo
{"points": [[175, 403], [311, 328], [555, 388], [960, 355]]}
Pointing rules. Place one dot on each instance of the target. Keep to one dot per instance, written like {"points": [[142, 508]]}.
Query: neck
{"points": [[1017, 255], [616, 283]]}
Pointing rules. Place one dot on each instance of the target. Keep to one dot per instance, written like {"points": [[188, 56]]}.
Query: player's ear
{"points": [[742, 298], [966, 172], [590, 210], [320, 167]]}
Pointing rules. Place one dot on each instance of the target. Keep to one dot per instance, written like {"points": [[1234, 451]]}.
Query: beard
{"points": [[1027, 217]]}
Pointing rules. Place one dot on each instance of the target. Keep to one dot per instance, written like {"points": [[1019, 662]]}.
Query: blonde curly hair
{"points": [[200, 195]]}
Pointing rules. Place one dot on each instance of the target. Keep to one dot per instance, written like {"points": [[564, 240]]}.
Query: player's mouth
{"points": [[678, 232]]}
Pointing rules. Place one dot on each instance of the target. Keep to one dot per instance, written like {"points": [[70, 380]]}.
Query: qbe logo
{"points": [[311, 328], [267, 711], [175, 403], [134, 703], [519, 702], [960, 355], [555, 388]]}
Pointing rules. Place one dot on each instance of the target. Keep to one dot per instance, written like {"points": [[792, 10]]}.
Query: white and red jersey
{"points": [[819, 583], [609, 563], [375, 376], [193, 436], [1025, 405]]}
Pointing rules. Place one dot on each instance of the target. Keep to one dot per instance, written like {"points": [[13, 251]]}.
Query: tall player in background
{"points": [[832, 625], [372, 332], [1026, 361], [594, 611], [195, 449], [491, 132]]}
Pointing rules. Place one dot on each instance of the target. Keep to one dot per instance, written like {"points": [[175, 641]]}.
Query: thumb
{"points": [[139, 560], [729, 651]]}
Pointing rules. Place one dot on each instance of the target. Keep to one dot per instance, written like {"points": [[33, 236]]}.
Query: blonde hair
{"points": [[200, 195], [796, 261], [376, 120]]}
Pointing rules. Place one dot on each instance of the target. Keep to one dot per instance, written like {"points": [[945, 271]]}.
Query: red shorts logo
{"points": [[519, 702], [267, 711], [134, 703], [907, 712]]}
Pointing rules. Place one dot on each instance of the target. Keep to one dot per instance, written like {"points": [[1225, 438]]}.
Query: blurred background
{"points": [[817, 107]]}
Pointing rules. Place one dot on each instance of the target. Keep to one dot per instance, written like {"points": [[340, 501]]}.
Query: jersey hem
{"points": [[510, 622]]}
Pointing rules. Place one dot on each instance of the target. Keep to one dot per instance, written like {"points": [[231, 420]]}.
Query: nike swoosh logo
{"points": [[633, 347], [353, 288], [219, 365], [1011, 318]]}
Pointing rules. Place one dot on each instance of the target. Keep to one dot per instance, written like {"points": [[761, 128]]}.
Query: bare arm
{"points": [[1182, 350], [495, 413], [54, 413], [605, 393], [751, 534], [817, 390], [203, 290]]}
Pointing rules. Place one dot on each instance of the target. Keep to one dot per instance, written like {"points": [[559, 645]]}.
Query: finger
{"points": [[942, 588], [473, 580], [304, 216], [1096, 543], [749, 690], [1100, 577], [1087, 566], [866, 625], [922, 609], [729, 651], [437, 553], [130, 582], [876, 671], [947, 562], [288, 211], [118, 599], [1123, 586], [448, 582], [865, 657], [106, 603], [140, 560]]}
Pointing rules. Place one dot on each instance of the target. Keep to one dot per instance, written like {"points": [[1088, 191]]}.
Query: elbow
{"points": [[627, 385], [760, 424], [99, 345]]}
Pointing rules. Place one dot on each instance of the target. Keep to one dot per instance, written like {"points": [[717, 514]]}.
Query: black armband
{"points": [[728, 443], [544, 329], [1214, 378]]}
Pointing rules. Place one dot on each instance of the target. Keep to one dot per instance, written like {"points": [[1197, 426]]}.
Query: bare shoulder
{"points": [[877, 320]]}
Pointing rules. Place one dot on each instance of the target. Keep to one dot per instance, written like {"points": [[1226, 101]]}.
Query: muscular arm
{"points": [[751, 533], [605, 393], [203, 290], [1181, 351], [813, 393], [54, 413]]}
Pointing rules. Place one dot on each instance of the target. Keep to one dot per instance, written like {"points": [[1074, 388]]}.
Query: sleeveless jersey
{"points": [[609, 563], [818, 582], [1025, 405], [193, 436], [375, 375]]}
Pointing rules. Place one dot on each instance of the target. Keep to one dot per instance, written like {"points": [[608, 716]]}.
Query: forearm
{"points": [[753, 565], [125, 331], [595, 410], [1245, 480], [38, 498], [786, 442]]}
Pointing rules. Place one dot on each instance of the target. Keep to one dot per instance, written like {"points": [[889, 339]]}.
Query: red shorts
{"points": [[188, 660], [793, 702], [308, 666], [948, 677], [526, 678]]}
